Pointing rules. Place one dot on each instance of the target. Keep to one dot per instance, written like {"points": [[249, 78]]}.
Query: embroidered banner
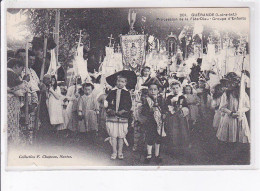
{"points": [[133, 50]]}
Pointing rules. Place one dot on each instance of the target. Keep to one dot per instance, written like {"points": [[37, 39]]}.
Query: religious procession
{"points": [[127, 89]]}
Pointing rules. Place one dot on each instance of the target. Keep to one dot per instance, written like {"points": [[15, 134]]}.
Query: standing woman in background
{"points": [[15, 90]]}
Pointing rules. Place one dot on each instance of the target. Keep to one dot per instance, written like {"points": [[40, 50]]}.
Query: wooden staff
{"points": [[226, 61], [44, 57], [240, 100], [186, 48], [42, 68], [57, 31], [76, 84], [201, 45], [144, 62], [80, 35], [41, 79], [26, 95]]}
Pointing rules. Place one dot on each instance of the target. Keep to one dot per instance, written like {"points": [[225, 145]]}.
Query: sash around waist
{"points": [[116, 119]]}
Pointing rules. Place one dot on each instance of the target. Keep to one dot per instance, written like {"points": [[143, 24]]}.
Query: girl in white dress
{"points": [[54, 103]]}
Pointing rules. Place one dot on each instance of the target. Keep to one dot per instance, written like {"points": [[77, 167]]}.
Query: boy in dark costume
{"points": [[119, 104], [153, 109]]}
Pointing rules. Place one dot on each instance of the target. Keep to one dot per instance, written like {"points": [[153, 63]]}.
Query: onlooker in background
{"points": [[33, 83], [10, 54], [15, 89]]}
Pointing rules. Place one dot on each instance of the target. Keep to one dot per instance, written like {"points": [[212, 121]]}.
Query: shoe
{"points": [[120, 156], [147, 160], [158, 160], [113, 156]]}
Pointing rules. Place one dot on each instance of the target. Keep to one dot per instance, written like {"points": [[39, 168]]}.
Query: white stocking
{"points": [[149, 151], [157, 149], [120, 146], [114, 145]]}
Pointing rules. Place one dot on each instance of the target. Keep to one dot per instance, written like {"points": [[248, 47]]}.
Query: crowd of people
{"points": [[157, 108]]}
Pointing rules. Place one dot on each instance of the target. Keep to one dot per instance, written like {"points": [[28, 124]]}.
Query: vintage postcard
{"points": [[91, 88]]}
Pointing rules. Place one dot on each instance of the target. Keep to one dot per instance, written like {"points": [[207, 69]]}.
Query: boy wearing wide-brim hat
{"points": [[118, 105]]}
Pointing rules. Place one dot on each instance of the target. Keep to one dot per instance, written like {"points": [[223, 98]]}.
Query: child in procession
{"points": [[140, 92], [57, 114], [88, 110], [72, 108], [54, 103], [118, 105], [205, 111], [177, 118], [153, 109], [193, 104], [145, 75]]}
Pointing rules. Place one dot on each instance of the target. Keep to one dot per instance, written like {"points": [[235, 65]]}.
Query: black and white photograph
{"points": [[127, 87]]}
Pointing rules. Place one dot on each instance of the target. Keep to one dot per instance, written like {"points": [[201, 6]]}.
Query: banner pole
{"points": [[43, 67], [26, 95]]}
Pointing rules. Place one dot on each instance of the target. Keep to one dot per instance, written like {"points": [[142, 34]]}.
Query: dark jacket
{"points": [[148, 113], [125, 101]]}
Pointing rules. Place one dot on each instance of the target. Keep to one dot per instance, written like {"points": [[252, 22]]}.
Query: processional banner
{"points": [[133, 51]]}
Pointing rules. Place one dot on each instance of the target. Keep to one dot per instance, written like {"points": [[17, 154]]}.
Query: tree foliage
{"points": [[69, 29], [99, 24]]}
